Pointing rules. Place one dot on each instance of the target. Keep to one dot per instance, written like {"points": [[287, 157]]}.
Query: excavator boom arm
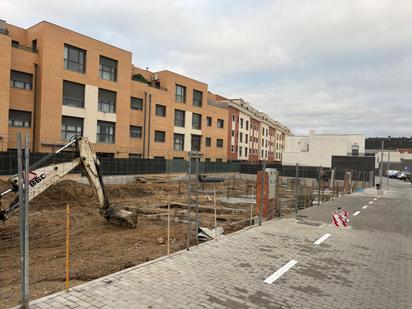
{"points": [[41, 178]]}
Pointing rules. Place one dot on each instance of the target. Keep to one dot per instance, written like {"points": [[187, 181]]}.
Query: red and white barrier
{"points": [[340, 218]]}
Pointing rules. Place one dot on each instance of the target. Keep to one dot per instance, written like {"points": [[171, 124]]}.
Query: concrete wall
{"points": [[318, 149]]}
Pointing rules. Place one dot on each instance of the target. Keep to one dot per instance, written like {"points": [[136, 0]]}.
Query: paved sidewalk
{"points": [[367, 266]]}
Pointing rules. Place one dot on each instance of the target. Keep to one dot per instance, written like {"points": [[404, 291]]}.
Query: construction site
{"points": [[97, 248]]}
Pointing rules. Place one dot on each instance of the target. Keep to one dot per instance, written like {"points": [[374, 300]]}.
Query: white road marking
{"points": [[375, 199], [364, 207], [273, 277], [356, 213], [322, 239], [371, 202]]}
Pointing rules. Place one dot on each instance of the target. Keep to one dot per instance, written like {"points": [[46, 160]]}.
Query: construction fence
{"points": [[70, 242], [140, 166]]}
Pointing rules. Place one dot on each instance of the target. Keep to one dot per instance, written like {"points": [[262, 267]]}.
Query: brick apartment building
{"points": [[55, 83], [252, 135]]}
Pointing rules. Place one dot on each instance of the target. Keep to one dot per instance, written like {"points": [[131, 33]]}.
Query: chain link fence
{"points": [[176, 210]]}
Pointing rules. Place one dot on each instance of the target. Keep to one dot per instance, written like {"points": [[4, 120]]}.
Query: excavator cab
{"points": [[43, 176]]}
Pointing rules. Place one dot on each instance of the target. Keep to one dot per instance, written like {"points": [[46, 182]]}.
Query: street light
{"points": [[381, 167], [387, 168]]}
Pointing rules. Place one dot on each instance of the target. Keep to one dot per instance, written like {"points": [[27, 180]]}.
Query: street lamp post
{"points": [[381, 167], [387, 167]]}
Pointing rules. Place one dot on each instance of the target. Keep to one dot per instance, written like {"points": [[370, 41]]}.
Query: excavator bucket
{"points": [[121, 217]]}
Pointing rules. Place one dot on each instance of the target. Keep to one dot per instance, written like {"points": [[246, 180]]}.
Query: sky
{"points": [[329, 66]]}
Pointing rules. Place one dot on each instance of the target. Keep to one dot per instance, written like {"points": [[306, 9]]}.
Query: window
{"points": [[208, 141], [179, 118], [207, 159], [107, 101], [267, 132], [15, 44], [246, 151], [219, 160], [232, 148], [21, 80], [219, 143], [196, 121], [241, 123], [266, 143], [105, 132], [233, 118], [136, 103], [178, 158], [73, 94], [160, 136], [241, 137], [135, 155], [196, 142], [247, 125], [74, 58], [101, 155], [246, 138], [108, 68], [197, 98], [160, 110], [71, 126], [262, 153], [180, 94], [179, 142], [20, 119], [136, 131], [220, 123], [233, 132], [240, 151], [209, 121], [34, 45]]}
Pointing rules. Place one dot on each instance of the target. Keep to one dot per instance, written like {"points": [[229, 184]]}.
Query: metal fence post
{"points": [[189, 198], [296, 188], [197, 197], [23, 210]]}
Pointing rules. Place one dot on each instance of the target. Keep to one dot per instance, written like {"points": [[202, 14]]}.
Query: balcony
{"points": [[26, 48]]}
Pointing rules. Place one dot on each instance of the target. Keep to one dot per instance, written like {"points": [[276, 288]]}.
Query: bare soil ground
{"points": [[97, 247]]}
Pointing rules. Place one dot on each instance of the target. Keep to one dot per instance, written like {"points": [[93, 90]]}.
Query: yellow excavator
{"points": [[42, 176]]}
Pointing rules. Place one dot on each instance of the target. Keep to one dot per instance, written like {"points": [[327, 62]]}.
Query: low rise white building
{"points": [[395, 157], [318, 149]]}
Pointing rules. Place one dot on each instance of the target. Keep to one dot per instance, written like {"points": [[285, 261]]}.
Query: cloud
{"points": [[341, 66]]}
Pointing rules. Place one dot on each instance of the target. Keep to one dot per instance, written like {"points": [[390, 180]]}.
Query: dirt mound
{"points": [[4, 185], [66, 191], [128, 191]]}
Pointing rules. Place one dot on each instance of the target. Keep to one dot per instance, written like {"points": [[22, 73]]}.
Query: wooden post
{"points": [[251, 210], [214, 206], [67, 247], [168, 226]]}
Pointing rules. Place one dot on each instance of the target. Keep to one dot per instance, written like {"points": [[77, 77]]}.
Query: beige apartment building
{"points": [[55, 83]]}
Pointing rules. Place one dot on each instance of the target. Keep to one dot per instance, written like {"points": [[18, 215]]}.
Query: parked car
{"points": [[403, 175], [392, 173]]}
